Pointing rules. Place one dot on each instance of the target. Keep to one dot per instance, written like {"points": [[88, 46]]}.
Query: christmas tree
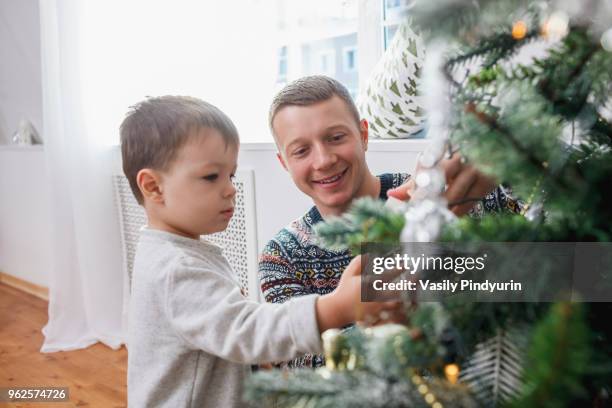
{"points": [[525, 95]]}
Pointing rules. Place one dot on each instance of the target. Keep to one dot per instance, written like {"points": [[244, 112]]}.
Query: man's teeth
{"points": [[330, 180]]}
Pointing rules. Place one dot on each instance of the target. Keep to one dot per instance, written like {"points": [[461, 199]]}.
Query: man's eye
{"points": [[300, 152], [337, 137], [211, 177]]}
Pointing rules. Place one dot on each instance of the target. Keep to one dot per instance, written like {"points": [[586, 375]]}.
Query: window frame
{"points": [[370, 39]]}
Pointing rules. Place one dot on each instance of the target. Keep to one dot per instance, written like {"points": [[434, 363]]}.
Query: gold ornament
{"points": [[519, 30], [336, 349], [451, 371]]}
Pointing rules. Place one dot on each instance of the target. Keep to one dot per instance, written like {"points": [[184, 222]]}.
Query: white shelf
{"points": [[21, 148]]}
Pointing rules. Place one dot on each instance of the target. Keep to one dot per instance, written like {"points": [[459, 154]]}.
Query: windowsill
{"points": [[375, 145]]}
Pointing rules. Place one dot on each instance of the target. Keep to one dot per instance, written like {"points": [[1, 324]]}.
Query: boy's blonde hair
{"points": [[155, 129]]}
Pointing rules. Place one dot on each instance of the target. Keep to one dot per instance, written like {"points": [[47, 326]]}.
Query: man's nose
{"points": [[324, 157]]}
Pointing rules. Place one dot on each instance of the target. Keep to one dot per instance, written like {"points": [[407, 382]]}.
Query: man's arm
{"points": [[277, 276], [279, 283]]}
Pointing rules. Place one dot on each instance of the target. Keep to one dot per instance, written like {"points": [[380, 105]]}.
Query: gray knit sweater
{"points": [[191, 331]]}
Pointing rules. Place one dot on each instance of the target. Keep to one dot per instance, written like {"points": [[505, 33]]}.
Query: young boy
{"points": [[192, 333]]}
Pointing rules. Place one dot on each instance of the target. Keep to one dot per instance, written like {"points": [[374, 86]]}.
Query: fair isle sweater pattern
{"points": [[294, 264]]}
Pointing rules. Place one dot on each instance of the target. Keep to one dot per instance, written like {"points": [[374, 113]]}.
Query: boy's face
{"points": [[323, 149], [197, 190]]}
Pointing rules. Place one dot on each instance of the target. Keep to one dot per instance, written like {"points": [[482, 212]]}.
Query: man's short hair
{"points": [[155, 129], [308, 91]]}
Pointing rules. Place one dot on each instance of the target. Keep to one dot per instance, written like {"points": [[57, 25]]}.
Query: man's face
{"points": [[198, 191], [323, 148]]}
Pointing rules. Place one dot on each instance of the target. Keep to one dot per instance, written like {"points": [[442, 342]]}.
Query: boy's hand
{"points": [[344, 306]]}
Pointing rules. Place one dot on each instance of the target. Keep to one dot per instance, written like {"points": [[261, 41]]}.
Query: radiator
{"points": [[239, 240]]}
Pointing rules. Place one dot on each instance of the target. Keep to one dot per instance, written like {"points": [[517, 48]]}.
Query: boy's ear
{"points": [[149, 183], [281, 160], [364, 133]]}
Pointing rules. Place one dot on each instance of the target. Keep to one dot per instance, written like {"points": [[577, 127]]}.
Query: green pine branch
{"points": [[558, 359], [492, 49], [367, 221]]}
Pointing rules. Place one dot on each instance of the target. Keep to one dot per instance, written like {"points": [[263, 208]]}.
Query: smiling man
{"points": [[322, 146], [322, 143]]}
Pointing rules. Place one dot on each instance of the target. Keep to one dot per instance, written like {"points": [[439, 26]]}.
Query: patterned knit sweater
{"points": [[294, 264]]}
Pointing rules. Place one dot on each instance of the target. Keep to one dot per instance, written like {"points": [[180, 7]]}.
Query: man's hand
{"points": [[465, 185]]}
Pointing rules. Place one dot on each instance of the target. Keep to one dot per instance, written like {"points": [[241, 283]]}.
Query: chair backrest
{"points": [[239, 240]]}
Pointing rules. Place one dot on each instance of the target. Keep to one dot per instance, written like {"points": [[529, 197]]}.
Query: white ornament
{"points": [[557, 26], [26, 134], [424, 220], [428, 210]]}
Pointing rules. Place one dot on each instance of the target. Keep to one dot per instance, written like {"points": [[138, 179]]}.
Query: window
{"points": [[315, 36], [394, 12], [321, 37], [285, 39], [343, 39], [349, 59]]}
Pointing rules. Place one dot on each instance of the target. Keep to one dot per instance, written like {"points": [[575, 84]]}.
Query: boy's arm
{"points": [[207, 310]]}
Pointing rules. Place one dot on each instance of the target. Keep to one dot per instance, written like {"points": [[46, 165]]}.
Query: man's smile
{"points": [[332, 180]]}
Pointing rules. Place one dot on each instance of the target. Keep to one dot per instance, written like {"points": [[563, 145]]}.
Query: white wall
{"points": [[24, 217], [25, 221], [20, 75]]}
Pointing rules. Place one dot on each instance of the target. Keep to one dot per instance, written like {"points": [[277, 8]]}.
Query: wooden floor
{"points": [[96, 376]]}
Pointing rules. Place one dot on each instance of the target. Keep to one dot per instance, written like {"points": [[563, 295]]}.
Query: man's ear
{"points": [[149, 183], [282, 161], [364, 133]]}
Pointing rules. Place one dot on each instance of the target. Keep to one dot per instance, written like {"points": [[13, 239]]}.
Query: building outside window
{"points": [[282, 65], [321, 37], [315, 36], [394, 12], [327, 63], [349, 59]]}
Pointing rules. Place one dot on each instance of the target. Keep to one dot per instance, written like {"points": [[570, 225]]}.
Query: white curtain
{"points": [[86, 283], [98, 58]]}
